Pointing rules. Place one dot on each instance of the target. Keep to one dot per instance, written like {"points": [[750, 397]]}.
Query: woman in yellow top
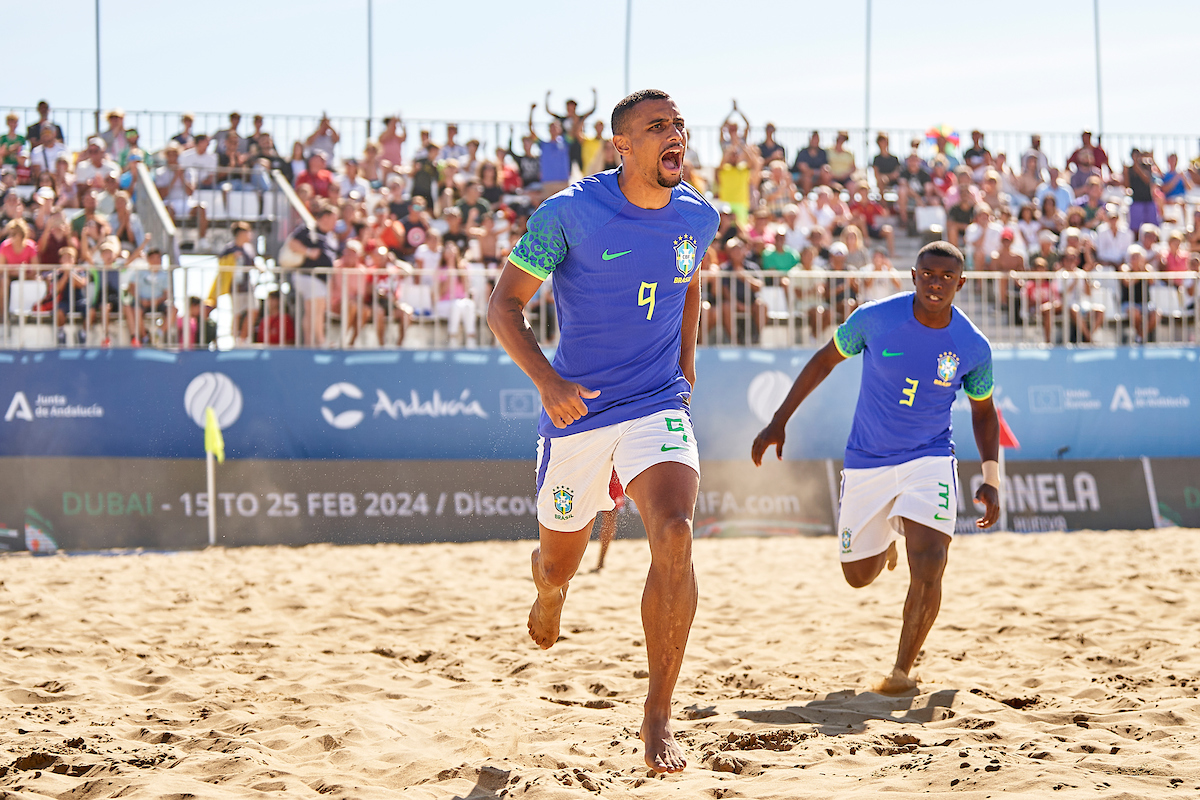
{"points": [[738, 176]]}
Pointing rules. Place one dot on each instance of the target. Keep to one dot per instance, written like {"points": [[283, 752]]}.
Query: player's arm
{"points": [[987, 438], [562, 399], [815, 371], [690, 331]]}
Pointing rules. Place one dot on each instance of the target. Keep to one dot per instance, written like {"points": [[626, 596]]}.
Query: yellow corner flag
{"points": [[214, 442]]}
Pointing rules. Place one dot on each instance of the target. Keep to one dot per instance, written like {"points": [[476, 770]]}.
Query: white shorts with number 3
{"points": [[876, 500], [574, 471]]}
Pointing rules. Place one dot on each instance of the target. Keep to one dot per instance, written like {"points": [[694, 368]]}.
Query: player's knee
{"points": [[556, 573], [928, 563], [672, 544], [856, 576]]}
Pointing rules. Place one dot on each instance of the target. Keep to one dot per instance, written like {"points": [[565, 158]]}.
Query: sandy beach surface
{"points": [[1063, 665]]}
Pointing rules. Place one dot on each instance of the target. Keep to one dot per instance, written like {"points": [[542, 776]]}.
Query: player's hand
{"points": [[988, 496], [770, 435], [563, 401]]}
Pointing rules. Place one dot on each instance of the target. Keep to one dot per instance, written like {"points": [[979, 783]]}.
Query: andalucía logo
{"points": [[563, 502], [685, 254]]}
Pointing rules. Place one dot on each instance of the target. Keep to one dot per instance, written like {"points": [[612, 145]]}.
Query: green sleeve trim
{"points": [[838, 345], [525, 266], [983, 397]]}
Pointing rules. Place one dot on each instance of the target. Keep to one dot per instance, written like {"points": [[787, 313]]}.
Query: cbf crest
{"points": [[685, 257], [564, 501], [947, 368]]}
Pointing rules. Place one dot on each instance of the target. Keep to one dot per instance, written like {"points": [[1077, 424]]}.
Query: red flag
{"points": [[1007, 439]]}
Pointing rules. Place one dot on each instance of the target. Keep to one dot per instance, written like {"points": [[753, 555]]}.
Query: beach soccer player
{"points": [[624, 248], [900, 476]]}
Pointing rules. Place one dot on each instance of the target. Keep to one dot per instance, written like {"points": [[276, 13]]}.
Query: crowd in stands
{"points": [[395, 226]]}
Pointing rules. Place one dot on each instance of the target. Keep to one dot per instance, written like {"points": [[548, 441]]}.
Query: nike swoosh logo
{"points": [[607, 256], [886, 354], [940, 518], [665, 448]]}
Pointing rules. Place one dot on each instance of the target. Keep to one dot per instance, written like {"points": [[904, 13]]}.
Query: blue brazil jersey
{"points": [[620, 276], [910, 375]]}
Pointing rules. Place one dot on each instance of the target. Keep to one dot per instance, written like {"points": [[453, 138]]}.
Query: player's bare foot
{"points": [[896, 683], [892, 556], [546, 610], [663, 753]]}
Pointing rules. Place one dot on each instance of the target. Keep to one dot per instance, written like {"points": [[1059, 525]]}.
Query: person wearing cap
{"points": [[45, 155], [1113, 237], [12, 144], [131, 146], [114, 135]]}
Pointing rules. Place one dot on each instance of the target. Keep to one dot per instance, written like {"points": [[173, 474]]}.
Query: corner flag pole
{"points": [[214, 450], [1007, 439]]}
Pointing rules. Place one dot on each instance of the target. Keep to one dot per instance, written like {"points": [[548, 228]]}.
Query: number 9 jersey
{"points": [[620, 275]]}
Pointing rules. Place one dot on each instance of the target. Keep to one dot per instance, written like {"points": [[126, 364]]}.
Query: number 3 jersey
{"points": [[620, 276], [910, 375]]}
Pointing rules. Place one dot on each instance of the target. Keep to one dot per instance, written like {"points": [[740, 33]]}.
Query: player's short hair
{"points": [[622, 110], [942, 249]]}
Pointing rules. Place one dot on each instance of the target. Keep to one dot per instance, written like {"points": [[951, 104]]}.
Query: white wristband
{"points": [[991, 473]]}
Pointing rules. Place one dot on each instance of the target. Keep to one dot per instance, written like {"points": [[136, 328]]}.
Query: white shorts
{"points": [[574, 471], [875, 500], [180, 206], [310, 287]]}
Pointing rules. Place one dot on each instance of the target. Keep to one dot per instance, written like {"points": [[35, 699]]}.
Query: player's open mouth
{"points": [[672, 159]]}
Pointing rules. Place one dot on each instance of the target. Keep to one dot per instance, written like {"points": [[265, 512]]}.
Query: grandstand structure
{"points": [[399, 292]]}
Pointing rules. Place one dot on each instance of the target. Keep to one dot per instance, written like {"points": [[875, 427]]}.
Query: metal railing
{"points": [[398, 306], [156, 128], [153, 214]]}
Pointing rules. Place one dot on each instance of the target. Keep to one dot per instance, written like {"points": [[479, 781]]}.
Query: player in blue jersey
{"points": [[900, 476], [624, 248]]}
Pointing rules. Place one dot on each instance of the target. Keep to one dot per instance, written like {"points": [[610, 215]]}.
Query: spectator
{"points": [[472, 206], [319, 247], [114, 135], [197, 327], [555, 158], [959, 217], [590, 146], [231, 161], [778, 256], [350, 181], [856, 255], [324, 139], [177, 187], [371, 165], [106, 200], [963, 184], [1091, 202], [150, 295], [56, 234], [982, 238], [887, 284], [1175, 259], [1007, 258], [810, 162], [1175, 184], [735, 182], [1113, 238], [94, 167], [991, 194], [275, 327], [131, 146], [1035, 150], [830, 210], [1051, 218], [978, 157], [391, 143], [351, 287], [201, 162], [941, 181], [943, 149], [425, 176], [770, 150], [64, 182], [841, 161], [17, 250], [729, 128], [1098, 158], [185, 138], [264, 160], [316, 176], [70, 295], [233, 278], [1063, 196], [741, 301], [1135, 297], [33, 133], [529, 164], [454, 303], [573, 121], [12, 144], [452, 150], [257, 122], [469, 163], [90, 213], [1029, 180], [1084, 170], [44, 156], [297, 164], [885, 166], [911, 186], [867, 214], [777, 191], [1029, 226], [221, 136]]}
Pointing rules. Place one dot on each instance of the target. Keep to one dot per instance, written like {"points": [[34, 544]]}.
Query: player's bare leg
{"points": [[665, 495], [554, 562], [864, 571], [927, 551], [608, 531]]}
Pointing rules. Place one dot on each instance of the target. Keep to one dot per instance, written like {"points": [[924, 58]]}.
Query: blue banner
{"points": [[301, 404]]}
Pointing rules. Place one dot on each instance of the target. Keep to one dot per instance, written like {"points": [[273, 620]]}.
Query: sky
{"points": [[1016, 65]]}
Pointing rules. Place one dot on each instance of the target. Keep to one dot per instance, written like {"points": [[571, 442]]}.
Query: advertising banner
{"points": [[477, 405], [1177, 485]]}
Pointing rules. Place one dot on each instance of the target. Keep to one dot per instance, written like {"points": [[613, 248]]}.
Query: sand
{"points": [[1061, 666]]}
